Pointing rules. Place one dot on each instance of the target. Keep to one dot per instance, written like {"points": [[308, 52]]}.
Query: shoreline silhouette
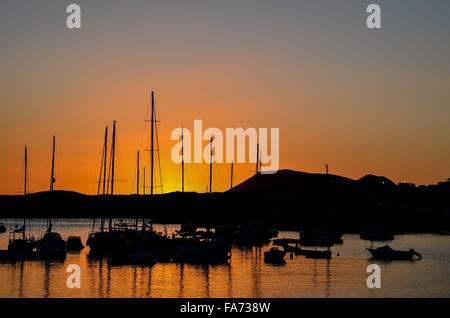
{"points": [[288, 200]]}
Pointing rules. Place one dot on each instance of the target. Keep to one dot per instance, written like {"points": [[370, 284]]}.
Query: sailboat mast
{"points": [[210, 168], [113, 149], [231, 185], [137, 175], [52, 177], [105, 151], [151, 144], [103, 169], [260, 162], [182, 159], [257, 158], [25, 185], [26, 168]]}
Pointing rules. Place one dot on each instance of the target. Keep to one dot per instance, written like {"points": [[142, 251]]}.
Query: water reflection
{"points": [[47, 279], [245, 275], [181, 266]]}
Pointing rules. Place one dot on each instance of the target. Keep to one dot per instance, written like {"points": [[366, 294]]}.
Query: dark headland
{"points": [[285, 200]]}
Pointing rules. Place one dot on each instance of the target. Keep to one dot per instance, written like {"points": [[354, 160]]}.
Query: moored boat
{"points": [[74, 244], [388, 254], [51, 246], [274, 255], [20, 245]]}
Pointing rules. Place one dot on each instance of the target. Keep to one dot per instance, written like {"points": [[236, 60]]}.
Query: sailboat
{"points": [[144, 245], [51, 245], [103, 241], [20, 246], [195, 246]]}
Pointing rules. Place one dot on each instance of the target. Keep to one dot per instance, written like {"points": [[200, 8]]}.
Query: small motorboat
{"points": [[388, 254], [2, 228], [74, 244], [274, 255]]}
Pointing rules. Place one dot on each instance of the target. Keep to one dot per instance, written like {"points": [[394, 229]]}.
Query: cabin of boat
{"points": [[74, 244], [274, 255]]}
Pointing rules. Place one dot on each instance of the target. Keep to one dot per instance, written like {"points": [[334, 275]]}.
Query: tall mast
{"points": [[257, 158], [151, 144], [231, 185], [52, 177], [25, 186], [137, 175], [26, 168], [260, 162], [52, 181], [103, 170], [113, 149], [210, 169], [105, 150], [182, 160]]}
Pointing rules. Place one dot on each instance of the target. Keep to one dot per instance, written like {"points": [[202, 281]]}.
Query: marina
{"points": [[245, 274]]}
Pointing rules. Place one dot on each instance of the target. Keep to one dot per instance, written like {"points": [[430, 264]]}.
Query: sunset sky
{"points": [[363, 101]]}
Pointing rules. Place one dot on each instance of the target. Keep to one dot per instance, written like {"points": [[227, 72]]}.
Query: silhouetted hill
{"points": [[289, 181], [288, 199], [375, 183]]}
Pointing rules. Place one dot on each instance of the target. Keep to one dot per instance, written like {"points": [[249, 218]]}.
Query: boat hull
{"points": [[390, 255]]}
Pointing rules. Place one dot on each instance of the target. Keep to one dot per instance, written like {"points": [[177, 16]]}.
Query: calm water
{"points": [[246, 275]]}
